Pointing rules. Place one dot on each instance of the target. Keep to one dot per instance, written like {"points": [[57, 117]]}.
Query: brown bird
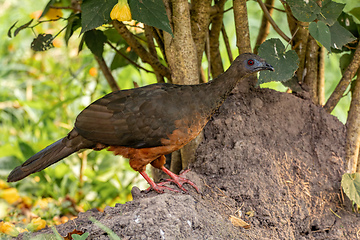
{"points": [[144, 124]]}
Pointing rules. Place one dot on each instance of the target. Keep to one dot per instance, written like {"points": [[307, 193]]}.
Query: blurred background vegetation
{"points": [[42, 93]]}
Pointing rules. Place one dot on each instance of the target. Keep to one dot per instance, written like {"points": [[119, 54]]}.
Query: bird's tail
{"points": [[48, 156]]}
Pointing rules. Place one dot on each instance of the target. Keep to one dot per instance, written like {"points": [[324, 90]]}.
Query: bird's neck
{"points": [[222, 85]]}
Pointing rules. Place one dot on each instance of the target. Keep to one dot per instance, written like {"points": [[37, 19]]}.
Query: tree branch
{"points": [[265, 26], [241, 26], [227, 43], [344, 82], [128, 59], [107, 73], [214, 34], [272, 22], [141, 51], [311, 65], [200, 20], [321, 76], [152, 49], [353, 130]]}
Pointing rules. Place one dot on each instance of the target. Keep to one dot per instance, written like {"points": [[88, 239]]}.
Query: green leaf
{"points": [[114, 37], [74, 22], [95, 13], [95, 40], [26, 150], [351, 185], [150, 12], [347, 22], [345, 60], [340, 36], [22, 27], [43, 42], [119, 61], [284, 63], [355, 12], [9, 31], [320, 31], [47, 8], [80, 237], [304, 11], [330, 11]]}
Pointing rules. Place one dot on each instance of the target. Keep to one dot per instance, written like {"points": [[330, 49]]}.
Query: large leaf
{"points": [[285, 63], [347, 22], [320, 31], [150, 12], [355, 12], [340, 36], [95, 40], [330, 11], [351, 185], [304, 11], [95, 13]]}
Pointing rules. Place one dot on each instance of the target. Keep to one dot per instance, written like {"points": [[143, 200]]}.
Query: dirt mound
{"points": [[269, 158]]}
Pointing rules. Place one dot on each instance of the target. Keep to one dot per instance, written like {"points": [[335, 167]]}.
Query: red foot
{"points": [[156, 187], [178, 180]]}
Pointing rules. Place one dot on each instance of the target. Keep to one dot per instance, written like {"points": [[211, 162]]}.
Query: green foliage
{"points": [[151, 12], [95, 13], [284, 62], [80, 237], [42, 42], [95, 40], [110, 233], [324, 26], [340, 36], [305, 11], [320, 31], [351, 185]]}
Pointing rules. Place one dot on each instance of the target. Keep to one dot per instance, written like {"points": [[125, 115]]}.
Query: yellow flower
{"points": [[36, 224], [10, 195], [9, 229], [3, 184], [121, 11]]}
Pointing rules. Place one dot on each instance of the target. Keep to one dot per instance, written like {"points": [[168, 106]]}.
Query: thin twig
{"points": [[107, 73], [227, 44], [128, 59], [141, 51], [344, 82], [272, 22]]}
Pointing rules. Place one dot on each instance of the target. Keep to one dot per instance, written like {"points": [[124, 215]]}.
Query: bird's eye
{"points": [[250, 62]]}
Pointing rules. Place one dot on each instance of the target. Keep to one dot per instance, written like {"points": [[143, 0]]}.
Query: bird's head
{"points": [[248, 63]]}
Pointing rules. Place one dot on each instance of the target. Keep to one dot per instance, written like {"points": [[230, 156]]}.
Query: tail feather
{"points": [[41, 160]]}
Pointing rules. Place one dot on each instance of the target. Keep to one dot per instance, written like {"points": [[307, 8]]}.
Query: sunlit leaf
{"points": [[351, 185]]}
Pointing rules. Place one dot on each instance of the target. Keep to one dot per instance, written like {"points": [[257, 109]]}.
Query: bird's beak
{"points": [[269, 67]]}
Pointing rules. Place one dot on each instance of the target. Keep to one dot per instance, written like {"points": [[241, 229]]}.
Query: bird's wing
{"points": [[137, 118]]}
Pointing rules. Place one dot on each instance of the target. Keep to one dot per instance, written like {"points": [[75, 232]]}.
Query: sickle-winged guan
{"points": [[146, 123]]}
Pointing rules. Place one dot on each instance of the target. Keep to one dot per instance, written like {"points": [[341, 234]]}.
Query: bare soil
{"points": [[271, 159]]}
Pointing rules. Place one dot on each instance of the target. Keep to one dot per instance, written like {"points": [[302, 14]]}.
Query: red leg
{"points": [[178, 180], [157, 187]]}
